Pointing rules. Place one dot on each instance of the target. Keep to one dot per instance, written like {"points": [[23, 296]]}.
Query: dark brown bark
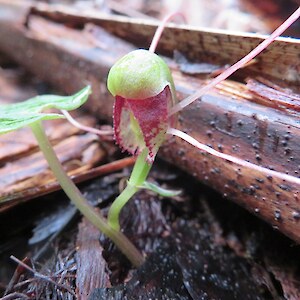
{"points": [[230, 118]]}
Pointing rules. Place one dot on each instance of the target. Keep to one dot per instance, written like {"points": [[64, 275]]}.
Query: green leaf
{"points": [[18, 115], [159, 190]]}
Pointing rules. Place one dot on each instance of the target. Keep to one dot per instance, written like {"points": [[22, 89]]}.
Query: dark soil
{"points": [[198, 246]]}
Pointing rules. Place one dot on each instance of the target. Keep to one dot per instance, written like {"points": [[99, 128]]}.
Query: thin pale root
{"points": [[86, 128], [233, 159]]}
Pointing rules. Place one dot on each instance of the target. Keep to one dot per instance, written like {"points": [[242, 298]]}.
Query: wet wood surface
{"points": [[89, 261], [25, 173], [234, 118]]}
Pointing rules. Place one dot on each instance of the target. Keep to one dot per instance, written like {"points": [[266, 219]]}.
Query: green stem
{"points": [[80, 202], [138, 176]]}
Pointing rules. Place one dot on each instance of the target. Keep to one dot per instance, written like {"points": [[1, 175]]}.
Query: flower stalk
{"points": [[121, 241], [137, 178]]}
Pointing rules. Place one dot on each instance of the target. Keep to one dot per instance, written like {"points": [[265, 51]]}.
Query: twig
{"points": [[41, 276], [15, 296], [24, 282]]}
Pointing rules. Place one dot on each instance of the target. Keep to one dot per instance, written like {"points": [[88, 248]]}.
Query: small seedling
{"points": [[30, 113]]}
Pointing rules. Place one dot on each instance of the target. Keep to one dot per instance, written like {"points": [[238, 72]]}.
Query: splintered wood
{"points": [[91, 266], [25, 173]]}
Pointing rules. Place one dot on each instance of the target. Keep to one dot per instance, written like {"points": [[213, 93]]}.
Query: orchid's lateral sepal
{"points": [[144, 90]]}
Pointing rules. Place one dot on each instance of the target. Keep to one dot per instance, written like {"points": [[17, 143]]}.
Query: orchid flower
{"points": [[144, 94]]}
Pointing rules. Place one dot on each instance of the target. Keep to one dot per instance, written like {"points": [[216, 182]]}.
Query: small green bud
{"points": [[139, 75]]}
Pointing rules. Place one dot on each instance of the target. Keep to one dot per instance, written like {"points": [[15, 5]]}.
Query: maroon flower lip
{"points": [[140, 123]]}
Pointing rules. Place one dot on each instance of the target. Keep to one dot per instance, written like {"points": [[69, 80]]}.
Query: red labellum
{"points": [[140, 123]]}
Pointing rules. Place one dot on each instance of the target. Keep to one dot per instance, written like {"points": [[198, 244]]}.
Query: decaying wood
{"points": [[91, 266], [25, 173], [15, 144], [230, 118], [280, 60], [77, 151], [10, 85]]}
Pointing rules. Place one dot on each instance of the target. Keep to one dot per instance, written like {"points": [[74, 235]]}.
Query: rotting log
{"points": [[233, 118], [24, 173]]}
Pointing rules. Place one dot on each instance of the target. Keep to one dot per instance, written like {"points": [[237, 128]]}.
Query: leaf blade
{"points": [[18, 115], [10, 124]]}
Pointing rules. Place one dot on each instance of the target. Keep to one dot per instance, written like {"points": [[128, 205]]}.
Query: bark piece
{"points": [[198, 45], [272, 95], [24, 171], [91, 267]]}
